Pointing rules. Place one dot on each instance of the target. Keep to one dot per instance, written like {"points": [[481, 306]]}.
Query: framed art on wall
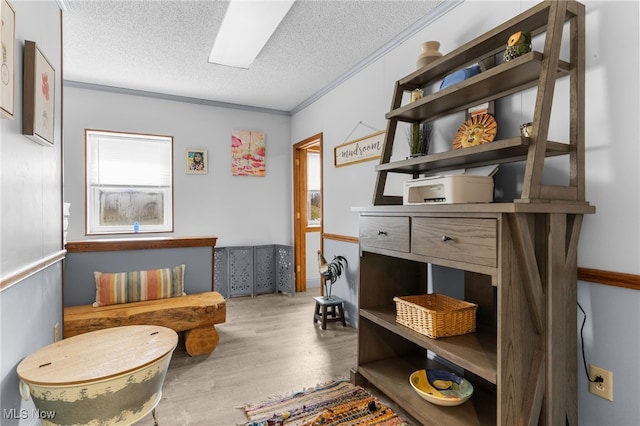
{"points": [[38, 116], [196, 161], [248, 152], [8, 67]]}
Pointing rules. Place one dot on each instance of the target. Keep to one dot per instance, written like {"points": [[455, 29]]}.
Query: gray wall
{"points": [[79, 282], [30, 310], [30, 216], [610, 238]]}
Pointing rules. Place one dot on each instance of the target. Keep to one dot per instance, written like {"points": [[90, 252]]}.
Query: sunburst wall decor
{"points": [[476, 130]]}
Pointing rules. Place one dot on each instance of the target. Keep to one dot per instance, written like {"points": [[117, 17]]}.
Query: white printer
{"points": [[468, 186]]}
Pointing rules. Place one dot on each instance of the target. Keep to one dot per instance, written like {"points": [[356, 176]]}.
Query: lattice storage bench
{"points": [[436, 315]]}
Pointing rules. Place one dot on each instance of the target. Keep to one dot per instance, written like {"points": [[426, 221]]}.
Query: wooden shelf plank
{"points": [[487, 210], [502, 80], [533, 20], [475, 352], [391, 376], [142, 243], [496, 152]]}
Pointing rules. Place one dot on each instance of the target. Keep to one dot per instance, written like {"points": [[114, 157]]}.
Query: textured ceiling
{"points": [[161, 46]]}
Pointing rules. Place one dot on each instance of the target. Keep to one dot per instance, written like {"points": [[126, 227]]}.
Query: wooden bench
{"points": [[194, 314]]}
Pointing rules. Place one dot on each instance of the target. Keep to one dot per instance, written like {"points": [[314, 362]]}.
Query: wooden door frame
{"points": [[300, 227]]}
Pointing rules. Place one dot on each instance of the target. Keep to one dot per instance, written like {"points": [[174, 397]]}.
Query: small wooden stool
{"points": [[329, 310]]}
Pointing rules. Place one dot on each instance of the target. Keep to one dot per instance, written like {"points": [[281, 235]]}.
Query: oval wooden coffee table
{"points": [[107, 377]]}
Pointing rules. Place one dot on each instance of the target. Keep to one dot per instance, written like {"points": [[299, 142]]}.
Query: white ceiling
{"points": [[161, 47]]}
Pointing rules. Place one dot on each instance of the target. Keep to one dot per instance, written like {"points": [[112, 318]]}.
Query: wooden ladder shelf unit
{"points": [[533, 69], [519, 259]]}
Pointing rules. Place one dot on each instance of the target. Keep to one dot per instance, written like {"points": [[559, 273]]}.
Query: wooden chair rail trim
{"points": [[617, 279], [28, 270], [344, 238], [139, 243]]}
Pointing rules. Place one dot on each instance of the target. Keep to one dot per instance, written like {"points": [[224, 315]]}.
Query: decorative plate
{"points": [[476, 130], [441, 387]]}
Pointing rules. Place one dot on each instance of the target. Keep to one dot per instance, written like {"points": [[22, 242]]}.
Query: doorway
{"points": [[307, 205]]}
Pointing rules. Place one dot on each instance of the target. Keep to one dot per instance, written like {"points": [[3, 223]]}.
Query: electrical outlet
{"points": [[604, 388], [56, 332]]}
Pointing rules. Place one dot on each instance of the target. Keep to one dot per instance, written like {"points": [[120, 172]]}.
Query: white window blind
{"points": [[129, 160], [129, 182]]}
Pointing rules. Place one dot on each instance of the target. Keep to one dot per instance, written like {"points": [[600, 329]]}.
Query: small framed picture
{"points": [[8, 67], [38, 103], [196, 161]]}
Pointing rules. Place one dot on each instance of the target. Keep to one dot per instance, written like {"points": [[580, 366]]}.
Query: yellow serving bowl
{"points": [[447, 389]]}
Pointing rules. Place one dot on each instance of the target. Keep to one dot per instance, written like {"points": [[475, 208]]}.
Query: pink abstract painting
{"points": [[248, 153]]}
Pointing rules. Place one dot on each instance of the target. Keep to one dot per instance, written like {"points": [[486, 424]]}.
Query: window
{"points": [[129, 180], [313, 189]]}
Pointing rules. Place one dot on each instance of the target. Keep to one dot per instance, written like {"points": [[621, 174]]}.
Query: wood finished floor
{"points": [[268, 346]]}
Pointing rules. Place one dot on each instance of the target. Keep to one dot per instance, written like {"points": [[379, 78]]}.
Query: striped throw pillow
{"points": [[123, 287]]}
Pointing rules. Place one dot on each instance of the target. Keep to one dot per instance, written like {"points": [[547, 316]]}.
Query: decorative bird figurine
{"points": [[518, 44], [323, 265], [330, 271]]}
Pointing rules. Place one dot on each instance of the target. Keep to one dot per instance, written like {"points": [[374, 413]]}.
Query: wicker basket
{"points": [[436, 315]]}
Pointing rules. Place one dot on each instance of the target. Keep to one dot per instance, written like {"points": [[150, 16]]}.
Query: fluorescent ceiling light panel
{"points": [[245, 29]]}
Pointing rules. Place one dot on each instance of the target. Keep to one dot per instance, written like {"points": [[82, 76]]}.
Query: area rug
{"points": [[335, 403]]}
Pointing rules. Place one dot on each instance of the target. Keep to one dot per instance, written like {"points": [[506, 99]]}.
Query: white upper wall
{"points": [[30, 191], [239, 210], [30, 217], [610, 239]]}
